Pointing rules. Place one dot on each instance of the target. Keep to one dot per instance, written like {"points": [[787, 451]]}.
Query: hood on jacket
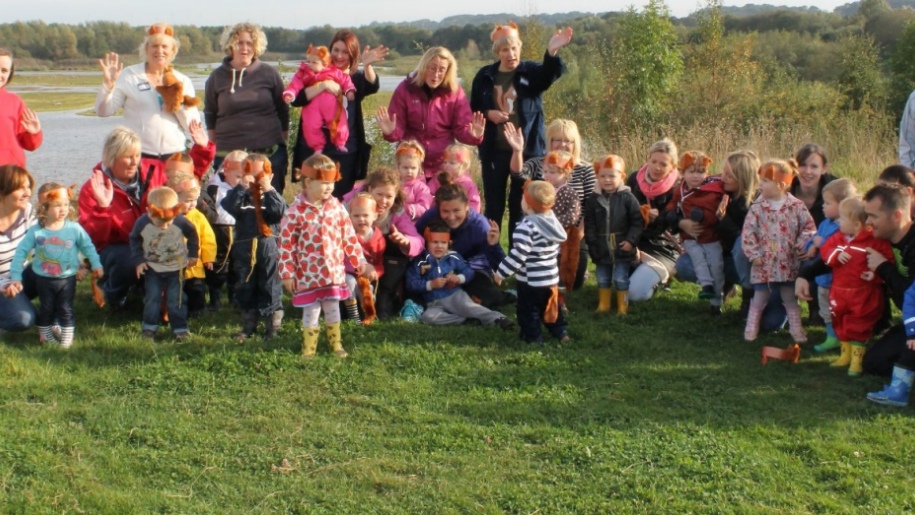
{"points": [[548, 226], [238, 76]]}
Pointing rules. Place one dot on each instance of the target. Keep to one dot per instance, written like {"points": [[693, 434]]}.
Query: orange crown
{"points": [[428, 235], [322, 174], [611, 161], [160, 28], [775, 173], [505, 31], [319, 52], [694, 158], [553, 158]]}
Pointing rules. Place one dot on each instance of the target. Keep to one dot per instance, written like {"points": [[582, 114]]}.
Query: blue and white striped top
{"points": [[534, 252]]}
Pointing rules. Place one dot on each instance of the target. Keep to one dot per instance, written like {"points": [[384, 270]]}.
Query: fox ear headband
{"points": [[612, 161], [319, 52], [409, 150], [428, 235], [322, 174], [776, 173], [160, 28], [536, 205], [694, 158], [564, 163], [166, 213], [55, 194], [505, 31]]}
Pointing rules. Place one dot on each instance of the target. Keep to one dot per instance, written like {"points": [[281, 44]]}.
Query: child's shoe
{"points": [[148, 334], [64, 335], [795, 327], [707, 292], [248, 324], [273, 323], [411, 311], [603, 300], [335, 340], [830, 343], [310, 341], [182, 336], [845, 357], [622, 302], [751, 331], [857, 359], [504, 323], [46, 336], [897, 392]]}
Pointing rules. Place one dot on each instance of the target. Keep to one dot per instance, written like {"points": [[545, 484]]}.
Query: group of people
{"points": [[188, 225]]}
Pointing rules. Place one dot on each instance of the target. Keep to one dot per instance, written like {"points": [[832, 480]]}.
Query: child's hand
{"points": [[141, 269], [868, 275], [81, 273], [911, 344], [722, 207], [874, 259], [246, 181], [198, 133], [191, 263], [288, 98], [758, 262], [351, 96], [264, 183], [477, 125], [817, 241], [386, 122], [626, 246], [496, 278], [436, 284], [844, 257], [652, 214], [398, 238], [98, 273], [369, 272], [452, 280], [802, 289], [208, 266], [494, 234], [514, 137], [13, 288], [289, 285], [810, 254]]}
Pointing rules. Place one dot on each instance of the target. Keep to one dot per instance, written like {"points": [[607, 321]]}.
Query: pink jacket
{"points": [[401, 220], [435, 120], [305, 77], [775, 236], [418, 198], [470, 187]]}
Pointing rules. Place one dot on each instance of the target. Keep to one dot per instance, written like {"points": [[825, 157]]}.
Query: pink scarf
{"points": [[655, 189]]}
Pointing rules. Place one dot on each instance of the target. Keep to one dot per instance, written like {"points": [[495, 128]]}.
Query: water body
{"points": [[73, 142]]}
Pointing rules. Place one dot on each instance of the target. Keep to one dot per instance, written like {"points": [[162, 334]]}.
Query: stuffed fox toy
{"points": [[172, 91]]}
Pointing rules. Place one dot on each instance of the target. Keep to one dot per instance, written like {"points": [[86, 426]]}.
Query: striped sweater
{"points": [[10, 239], [535, 247]]}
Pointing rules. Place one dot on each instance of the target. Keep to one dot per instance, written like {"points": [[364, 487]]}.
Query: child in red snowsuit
{"points": [[856, 299], [324, 110]]}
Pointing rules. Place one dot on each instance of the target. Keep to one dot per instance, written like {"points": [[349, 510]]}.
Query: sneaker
{"points": [[504, 323], [708, 292], [411, 311], [182, 336], [715, 311], [148, 334], [564, 338]]}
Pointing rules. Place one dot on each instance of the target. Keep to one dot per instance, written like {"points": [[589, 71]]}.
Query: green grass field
{"points": [[664, 411]]}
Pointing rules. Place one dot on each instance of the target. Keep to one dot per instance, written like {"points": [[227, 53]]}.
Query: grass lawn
{"points": [[664, 411], [44, 102]]}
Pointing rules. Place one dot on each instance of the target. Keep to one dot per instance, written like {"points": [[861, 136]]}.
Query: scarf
{"points": [[132, 189], [650, 189]]}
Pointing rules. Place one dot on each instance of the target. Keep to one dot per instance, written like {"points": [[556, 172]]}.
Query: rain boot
{"points": [[831, 342], [310, 341], [622, 302], [751, 331], [273, 323], [603, 300], [335, 340], [248, 324], [845, 357], [857, 357], [897, 392]]}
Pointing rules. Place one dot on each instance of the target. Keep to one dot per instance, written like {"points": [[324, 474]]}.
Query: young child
{"points": [[833, 195], [697, 199], [162, 243], [188, 189], [417, 197], [457, 159], [363, 211], [777, 227], [557, 170], [533, 259], [856, 297], [316, 238], [613, 226], [402, 243], [221, 182], [326, 109], [438, 275], [57, 242], [257, 209]]}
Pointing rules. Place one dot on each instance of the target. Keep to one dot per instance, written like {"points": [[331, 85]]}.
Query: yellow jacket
{"points": [[207, 244]]}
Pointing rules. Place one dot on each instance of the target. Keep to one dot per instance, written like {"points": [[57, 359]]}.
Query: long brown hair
{"points": [[352, 47], [386, 176]]}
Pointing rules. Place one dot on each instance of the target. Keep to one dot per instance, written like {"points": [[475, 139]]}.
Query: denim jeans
{"points": [[120, 274], [18, 313], [55, 298], [615, 275], [169, 284]]}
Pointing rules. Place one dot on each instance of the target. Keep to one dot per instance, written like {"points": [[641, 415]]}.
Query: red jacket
{"points": [[435, 120], [111, 225], [202, 156], [13, 138], [373, 249], [707, 197], [855, 304]]}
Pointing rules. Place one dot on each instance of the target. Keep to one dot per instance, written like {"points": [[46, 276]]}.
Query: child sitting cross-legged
{"points": [[438, 275]]}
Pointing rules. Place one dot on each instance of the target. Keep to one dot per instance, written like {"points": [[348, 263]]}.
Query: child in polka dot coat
{"points": [[316, 238]]}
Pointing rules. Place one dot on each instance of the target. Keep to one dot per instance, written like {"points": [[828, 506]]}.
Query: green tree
{"points": [[861, 79]]}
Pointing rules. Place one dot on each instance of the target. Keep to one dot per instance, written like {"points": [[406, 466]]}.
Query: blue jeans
{"points": [[616, 275], [18, 313], [120, 274], [168, 283]]}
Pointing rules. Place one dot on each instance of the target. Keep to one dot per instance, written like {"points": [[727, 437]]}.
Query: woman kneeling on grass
{"points": [[16, 216]]}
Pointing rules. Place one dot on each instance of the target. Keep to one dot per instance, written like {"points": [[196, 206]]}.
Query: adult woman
{"points": [[344, 54], [510, 91], [653, 185], [474, 237], [162, 132], [110, 202], [19, 126], [16, 216], [430, 107], [243, 102], [560, 135]]}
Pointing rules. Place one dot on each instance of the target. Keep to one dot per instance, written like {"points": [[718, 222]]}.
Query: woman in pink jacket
{"points": [[430, 107]]}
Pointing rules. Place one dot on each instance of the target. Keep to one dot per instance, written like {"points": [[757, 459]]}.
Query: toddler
{"points": [[57, 242], [162, 243], [438, 276], [613, 226], [221, 182], [188, 189], [326, 109], [363, 212], [533, 259], [456, 164], [557, 170], [776, 229], [417, 197], [257, 209], [316, 238], [856, 297]]}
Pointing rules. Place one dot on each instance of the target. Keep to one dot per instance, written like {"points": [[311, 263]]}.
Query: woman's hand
{"points": [[496, 116], [397, 237], [371, 56], [626, 246], [386, 122], [722, 207], [111, 69], [477, 125], [514, 137], [198, 133], [494, 234], [690, 227], [30, 122], [560, 39], [331, 87], [13, 289], [369, 272], [102, 189]]}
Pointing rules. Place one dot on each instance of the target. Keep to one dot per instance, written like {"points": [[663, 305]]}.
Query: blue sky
{"points": [[307, 13]]}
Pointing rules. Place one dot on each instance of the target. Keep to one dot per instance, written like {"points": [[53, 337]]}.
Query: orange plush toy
{"points": [[368, 300], [172, 91]]}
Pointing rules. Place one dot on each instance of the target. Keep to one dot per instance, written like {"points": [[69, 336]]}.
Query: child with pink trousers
{"points": [[457, 165]]}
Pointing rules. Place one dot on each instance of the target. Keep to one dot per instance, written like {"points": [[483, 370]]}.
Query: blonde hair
{"points": [[159, 36], [229, 39], [779, 171], [853, 209], [178, 179], [363, 198], [744, 166], [119, 141], [840, 189], [461, 152], [45, 203], [235, 156], [562, 160], [505, 41], [562, 128], [162, 203], [665, 146], [450, 82], [407, 148], [542, 192]]}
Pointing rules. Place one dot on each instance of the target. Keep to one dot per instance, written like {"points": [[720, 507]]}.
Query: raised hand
{"points": [[477, 125], [111, 69], [494, 234], [198, 133], [30, 122], [560, 38], [722, 207], [386, 122], [514, 137], [398, 237], [371, 56], [102, 189]]}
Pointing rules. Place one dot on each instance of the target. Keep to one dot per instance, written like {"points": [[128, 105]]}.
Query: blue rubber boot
{"points": [[897, 392]]}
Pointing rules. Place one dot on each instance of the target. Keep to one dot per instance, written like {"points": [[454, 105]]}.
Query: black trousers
{"points": [[888, 351], [531, 305], [56, 300]]}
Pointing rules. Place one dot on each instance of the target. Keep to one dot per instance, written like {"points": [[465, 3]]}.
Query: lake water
{"points": [[73, 142]]}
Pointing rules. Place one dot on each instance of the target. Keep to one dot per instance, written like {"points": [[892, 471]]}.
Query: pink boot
{"points": [[795, 329], [752, 329]]}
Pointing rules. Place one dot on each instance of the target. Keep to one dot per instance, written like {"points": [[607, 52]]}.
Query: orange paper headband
{"points": [[691, 158], [322, 174], [54, 195], [407, 150], [160, 28], [165, 213], [536, 205], [505, 31], [612, 161], [776, 174], [553, 158], [458, 155], [319, 52], [428, 235]]}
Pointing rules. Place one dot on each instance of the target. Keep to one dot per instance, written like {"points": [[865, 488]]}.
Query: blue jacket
{"points": [[827, 228], [426, 267], [469, 240], [908, 312], [530, 81]]}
